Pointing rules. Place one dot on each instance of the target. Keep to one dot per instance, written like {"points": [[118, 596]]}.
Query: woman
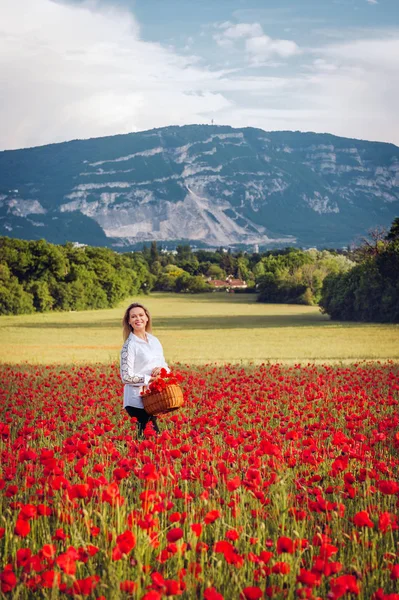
{"points": [[141, 361]]}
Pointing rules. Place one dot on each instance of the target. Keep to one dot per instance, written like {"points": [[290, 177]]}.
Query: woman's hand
{"points": [[155, 372]]}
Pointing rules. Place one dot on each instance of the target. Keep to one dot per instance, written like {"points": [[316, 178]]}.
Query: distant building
{"points": [[218, 283], [228, 284], [236, 283]]}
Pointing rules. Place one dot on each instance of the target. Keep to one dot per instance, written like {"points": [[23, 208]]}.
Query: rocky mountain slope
{"points": [[200, 183]]}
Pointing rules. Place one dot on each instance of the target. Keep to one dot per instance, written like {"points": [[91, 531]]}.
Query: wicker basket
{"points": [[170, 399]]}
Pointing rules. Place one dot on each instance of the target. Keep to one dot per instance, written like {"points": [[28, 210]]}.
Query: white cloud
{"points": [[349, 89], [376, 54], [240, 30], [258, 46], [264, 47], [356, 84], [84, 72], [372, 1]]}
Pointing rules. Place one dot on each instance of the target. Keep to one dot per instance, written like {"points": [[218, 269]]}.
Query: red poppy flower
{"points": [[211, 594], [67, 563], [387, 522], [22, 528], [345, 584], [232, 535], [174, 534], [233, 484], [50, 579], [152, 595], [128, 586], [395, 572], [126, 541], [285, 544], [174, 517], [211, 516], [85, 587], [308, 578], [60, 535], [8, 579], [48, 551], [252, 593], [388, 487], [44, 510], [281, 568], [23, 556], [362, 519], [196, 528], [112, 495], [28, 511]]}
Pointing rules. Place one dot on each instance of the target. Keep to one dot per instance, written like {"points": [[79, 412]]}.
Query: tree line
{"points": [[36, 276], [369, 291], [361, 284]]}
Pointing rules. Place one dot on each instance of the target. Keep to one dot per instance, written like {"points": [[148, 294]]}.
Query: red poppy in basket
{"points": [[162, 381], [163, 394]]}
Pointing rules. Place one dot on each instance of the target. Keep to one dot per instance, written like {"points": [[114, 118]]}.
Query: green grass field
{"points": [[199, 329]]}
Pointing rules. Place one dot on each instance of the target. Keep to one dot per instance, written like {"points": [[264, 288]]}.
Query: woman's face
{"points": [[138, 319]]}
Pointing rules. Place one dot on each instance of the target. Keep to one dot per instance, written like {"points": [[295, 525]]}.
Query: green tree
{"points": [[14, 300], [227, 262], [154, 255], [165, 283], [393, 233], [156, 267], [370, 290], [42, 299], [47, 261], [182, 282], [183, 253], [17, 256], [198, 285], [242, 270], [215, 272], [258, 270]]}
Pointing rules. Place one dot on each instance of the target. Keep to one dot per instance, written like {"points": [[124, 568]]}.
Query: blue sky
{"points": [[86, 68]]}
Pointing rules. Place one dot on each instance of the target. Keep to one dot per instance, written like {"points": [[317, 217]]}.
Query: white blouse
{"points": [[138, 359]]}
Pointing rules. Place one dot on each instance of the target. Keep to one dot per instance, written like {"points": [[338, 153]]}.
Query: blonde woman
{"points": [[141, 361]]}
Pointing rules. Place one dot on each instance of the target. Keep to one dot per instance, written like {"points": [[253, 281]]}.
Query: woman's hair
{"points": [[126, 327]]}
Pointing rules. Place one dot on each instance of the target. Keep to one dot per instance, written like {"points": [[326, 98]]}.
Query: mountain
{"points": [[209, 185]]}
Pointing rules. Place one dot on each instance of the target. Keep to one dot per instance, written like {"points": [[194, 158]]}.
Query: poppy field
{"points": [[273, 481]]}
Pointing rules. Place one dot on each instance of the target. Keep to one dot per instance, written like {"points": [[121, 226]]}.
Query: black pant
{"points": [[142, 419]]}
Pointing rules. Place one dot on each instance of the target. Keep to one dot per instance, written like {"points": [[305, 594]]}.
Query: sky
{"points": [[74, 69]]}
